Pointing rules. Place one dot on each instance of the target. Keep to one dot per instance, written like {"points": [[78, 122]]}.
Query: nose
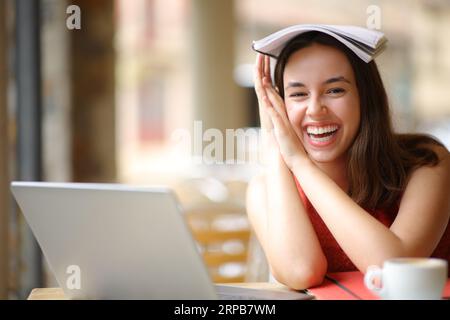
{"points": [[315, 107]]}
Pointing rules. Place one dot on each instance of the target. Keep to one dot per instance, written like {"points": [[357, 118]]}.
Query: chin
{"points": [[322, 156]]}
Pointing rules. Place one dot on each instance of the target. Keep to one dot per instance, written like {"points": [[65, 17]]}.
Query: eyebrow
{"points": [[294, 84]]}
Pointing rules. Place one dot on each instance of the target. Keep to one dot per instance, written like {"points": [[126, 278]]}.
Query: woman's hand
{"points": [[289, 144], [269, 147]]}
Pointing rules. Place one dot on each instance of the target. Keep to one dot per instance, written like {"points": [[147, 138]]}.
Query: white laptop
{"points": [[111, 241]]}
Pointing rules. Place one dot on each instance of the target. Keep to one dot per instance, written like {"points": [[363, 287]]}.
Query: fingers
{"points": [[277, 122], [260, 66], [258, 74], [267, 67], [276, 102], [268, 97], [262, 70]]}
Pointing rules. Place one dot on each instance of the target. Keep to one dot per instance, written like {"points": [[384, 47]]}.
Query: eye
{"points": [[298, 94], [336, 91]]}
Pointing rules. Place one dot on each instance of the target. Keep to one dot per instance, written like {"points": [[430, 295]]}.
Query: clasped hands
{"points": [[275, 123]]}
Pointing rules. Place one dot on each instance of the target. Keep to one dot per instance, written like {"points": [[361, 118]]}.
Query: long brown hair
{"points": [[379, 160]]}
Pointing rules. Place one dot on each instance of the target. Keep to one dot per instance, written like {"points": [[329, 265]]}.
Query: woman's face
{"points": [[322, 101]]}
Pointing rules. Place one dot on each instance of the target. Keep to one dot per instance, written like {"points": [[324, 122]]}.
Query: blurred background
{"points": [[104, 103]]}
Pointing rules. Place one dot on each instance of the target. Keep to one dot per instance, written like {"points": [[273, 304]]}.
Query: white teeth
{"points": [[320, 130], [323, 139]]}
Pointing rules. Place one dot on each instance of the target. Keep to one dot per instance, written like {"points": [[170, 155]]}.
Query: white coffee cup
{"points": [[408, 279]]}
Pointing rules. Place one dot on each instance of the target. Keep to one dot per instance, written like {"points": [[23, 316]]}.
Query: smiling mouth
{"points": [[322, 134], [322, 137]]}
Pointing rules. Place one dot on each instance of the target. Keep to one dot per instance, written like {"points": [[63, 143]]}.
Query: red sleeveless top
{"points": [[336, 257]]}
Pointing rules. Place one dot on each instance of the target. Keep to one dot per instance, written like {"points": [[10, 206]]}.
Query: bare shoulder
{"points": [[438, 173], [430, 185], [442, 153], [425, 206], [443, 166]]}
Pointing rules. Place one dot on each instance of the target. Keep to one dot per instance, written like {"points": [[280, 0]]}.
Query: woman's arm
{"points": [[284, 229], [421, 221], [276, 212]]}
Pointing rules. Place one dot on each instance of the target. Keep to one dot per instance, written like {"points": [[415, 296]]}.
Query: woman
{"points": [[340, 190]]}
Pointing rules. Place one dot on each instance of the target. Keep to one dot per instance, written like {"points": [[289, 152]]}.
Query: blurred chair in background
{"points": [[215, 212], [222, 234]]}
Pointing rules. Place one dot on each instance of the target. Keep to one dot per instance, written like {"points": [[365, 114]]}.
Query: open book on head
{"points": [[365, 43]]}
